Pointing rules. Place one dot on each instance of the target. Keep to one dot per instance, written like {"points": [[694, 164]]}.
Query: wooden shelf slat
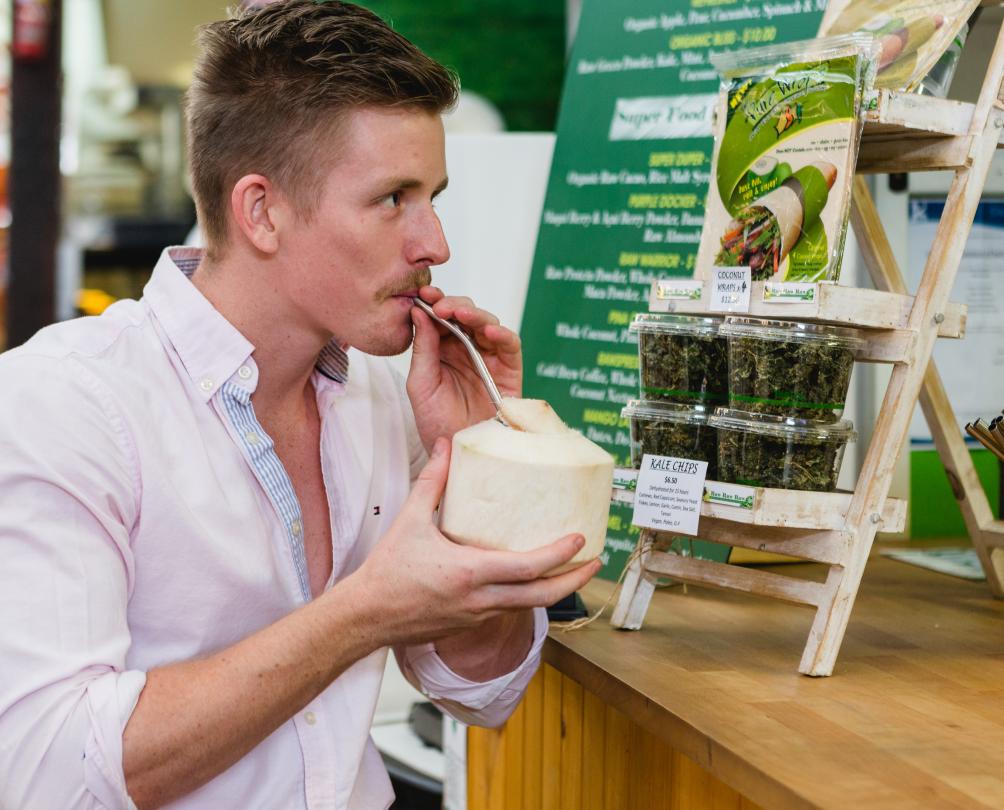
{"points": [[913, 155], [905, 132], [737, 578], [792, 509], [902, 116], [830, 546], [839, 305]]}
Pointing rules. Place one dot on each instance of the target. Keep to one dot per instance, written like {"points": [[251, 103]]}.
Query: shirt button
{"points": [[206, 384], [244, 373], [297, 527], [251, 437], [310, 718]]}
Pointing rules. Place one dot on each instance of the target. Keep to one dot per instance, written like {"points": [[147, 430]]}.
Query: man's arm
{"points": [[447, 395], [501, 644], [68, 484], [195, 719], [478, 697], [244, 693], [489, 651]]}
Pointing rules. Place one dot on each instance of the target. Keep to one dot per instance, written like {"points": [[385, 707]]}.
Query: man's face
{"points": [[353, 269]]}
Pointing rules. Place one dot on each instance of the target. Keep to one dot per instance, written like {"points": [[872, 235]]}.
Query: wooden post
{"points": [[34, 185], [1000, 490], [907, 381]]}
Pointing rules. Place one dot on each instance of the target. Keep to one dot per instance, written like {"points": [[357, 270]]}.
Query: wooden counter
{"points": [[703, 707]]}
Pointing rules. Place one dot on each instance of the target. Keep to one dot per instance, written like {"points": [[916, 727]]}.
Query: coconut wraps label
{"points": [[780, 193]]}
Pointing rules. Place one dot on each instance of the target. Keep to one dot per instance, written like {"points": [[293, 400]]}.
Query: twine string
{"points": [[646, 542]]}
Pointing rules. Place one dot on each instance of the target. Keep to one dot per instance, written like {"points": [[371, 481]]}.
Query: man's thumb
{"points": [[424, 347], [431, 483]]}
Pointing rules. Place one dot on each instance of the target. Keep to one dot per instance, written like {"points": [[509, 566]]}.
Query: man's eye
{"points": [[392, 200]]}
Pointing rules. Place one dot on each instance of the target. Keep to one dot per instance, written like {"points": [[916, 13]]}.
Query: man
{"points": [[207, 533]]}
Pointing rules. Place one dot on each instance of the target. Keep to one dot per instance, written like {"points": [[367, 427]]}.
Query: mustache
{"points": [[421, 277]]}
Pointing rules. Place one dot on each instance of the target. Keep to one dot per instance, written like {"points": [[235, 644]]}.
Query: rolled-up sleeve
{"points": [[69, 494], [478, 704]]}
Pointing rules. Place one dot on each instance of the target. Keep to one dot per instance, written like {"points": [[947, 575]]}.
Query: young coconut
{"points": [[519, 487]]}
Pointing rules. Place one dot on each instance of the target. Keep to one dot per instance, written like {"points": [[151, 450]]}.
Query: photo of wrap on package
{"points": [[911, 35], [763, 234], [786, 140]]}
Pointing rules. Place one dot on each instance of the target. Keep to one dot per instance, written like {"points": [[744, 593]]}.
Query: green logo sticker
{"points": [[738, 497], [789, 292]]}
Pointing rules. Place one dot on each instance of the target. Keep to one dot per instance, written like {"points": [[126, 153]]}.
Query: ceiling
{"points": [[155, 39]]}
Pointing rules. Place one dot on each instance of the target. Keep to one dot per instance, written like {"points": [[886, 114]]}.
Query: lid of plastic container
{"points": [[660, 323], [783, 427], [666, 412], [794, 331]]}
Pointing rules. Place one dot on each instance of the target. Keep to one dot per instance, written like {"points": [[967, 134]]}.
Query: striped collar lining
{"points": [[332, 362]]}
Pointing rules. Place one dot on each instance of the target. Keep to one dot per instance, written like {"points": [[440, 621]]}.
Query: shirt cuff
{"points": [[111, 699], [438, 682]]}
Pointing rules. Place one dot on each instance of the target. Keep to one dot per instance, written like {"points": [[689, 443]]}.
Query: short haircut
{"points": [[270, 82]]}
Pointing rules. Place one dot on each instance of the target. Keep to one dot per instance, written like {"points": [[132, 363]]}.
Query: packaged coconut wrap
{"points": [[787, 134], [911, 34]]}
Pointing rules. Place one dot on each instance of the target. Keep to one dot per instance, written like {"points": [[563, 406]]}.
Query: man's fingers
{"points": [[500, 339], [482, 324], [464, 311], [431, 483], [447, 306], [543, 592], [424, 349], [525, 566], [431, 294], [473, 318]]}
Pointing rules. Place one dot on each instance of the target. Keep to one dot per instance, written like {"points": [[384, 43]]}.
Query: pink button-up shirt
{"points": [[145, 519]]}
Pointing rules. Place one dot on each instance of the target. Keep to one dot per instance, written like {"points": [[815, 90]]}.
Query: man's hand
{"points": [[418, 586], [446, 392]]}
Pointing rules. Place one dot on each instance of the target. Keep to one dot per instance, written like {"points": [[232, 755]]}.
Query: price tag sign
{"points": [[730, 289], [790, 292], [668, 497]]}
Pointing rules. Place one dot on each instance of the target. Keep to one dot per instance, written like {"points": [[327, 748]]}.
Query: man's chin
{"points": [[386, 346]]}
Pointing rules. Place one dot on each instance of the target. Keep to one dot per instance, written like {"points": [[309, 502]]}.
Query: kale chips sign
{"points": [[626, 197]]}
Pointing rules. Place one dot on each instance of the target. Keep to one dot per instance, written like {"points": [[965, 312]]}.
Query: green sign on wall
{"points": [[625, 200]]}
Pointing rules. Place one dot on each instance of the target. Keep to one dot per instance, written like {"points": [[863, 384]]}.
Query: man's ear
{"points": [[254, 204]]}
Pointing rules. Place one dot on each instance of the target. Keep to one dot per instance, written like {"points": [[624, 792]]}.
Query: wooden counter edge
{"points": [[731, 768]]}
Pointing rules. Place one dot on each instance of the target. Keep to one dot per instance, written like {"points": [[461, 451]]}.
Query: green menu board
{"points": [[625, 199]]}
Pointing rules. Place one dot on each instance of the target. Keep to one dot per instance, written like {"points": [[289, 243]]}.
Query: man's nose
{"points": [[430, 246]]}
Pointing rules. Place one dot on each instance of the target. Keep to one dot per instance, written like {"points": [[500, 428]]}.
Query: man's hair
{"points": [[272, 84]]}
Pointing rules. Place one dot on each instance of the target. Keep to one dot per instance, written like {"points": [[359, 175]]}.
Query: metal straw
{"points": [[997, 429], [979, 431], [988, 430], [479, 363]]}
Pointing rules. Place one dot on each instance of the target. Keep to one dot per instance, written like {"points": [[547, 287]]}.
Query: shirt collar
{"points": [[210, 347]]}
